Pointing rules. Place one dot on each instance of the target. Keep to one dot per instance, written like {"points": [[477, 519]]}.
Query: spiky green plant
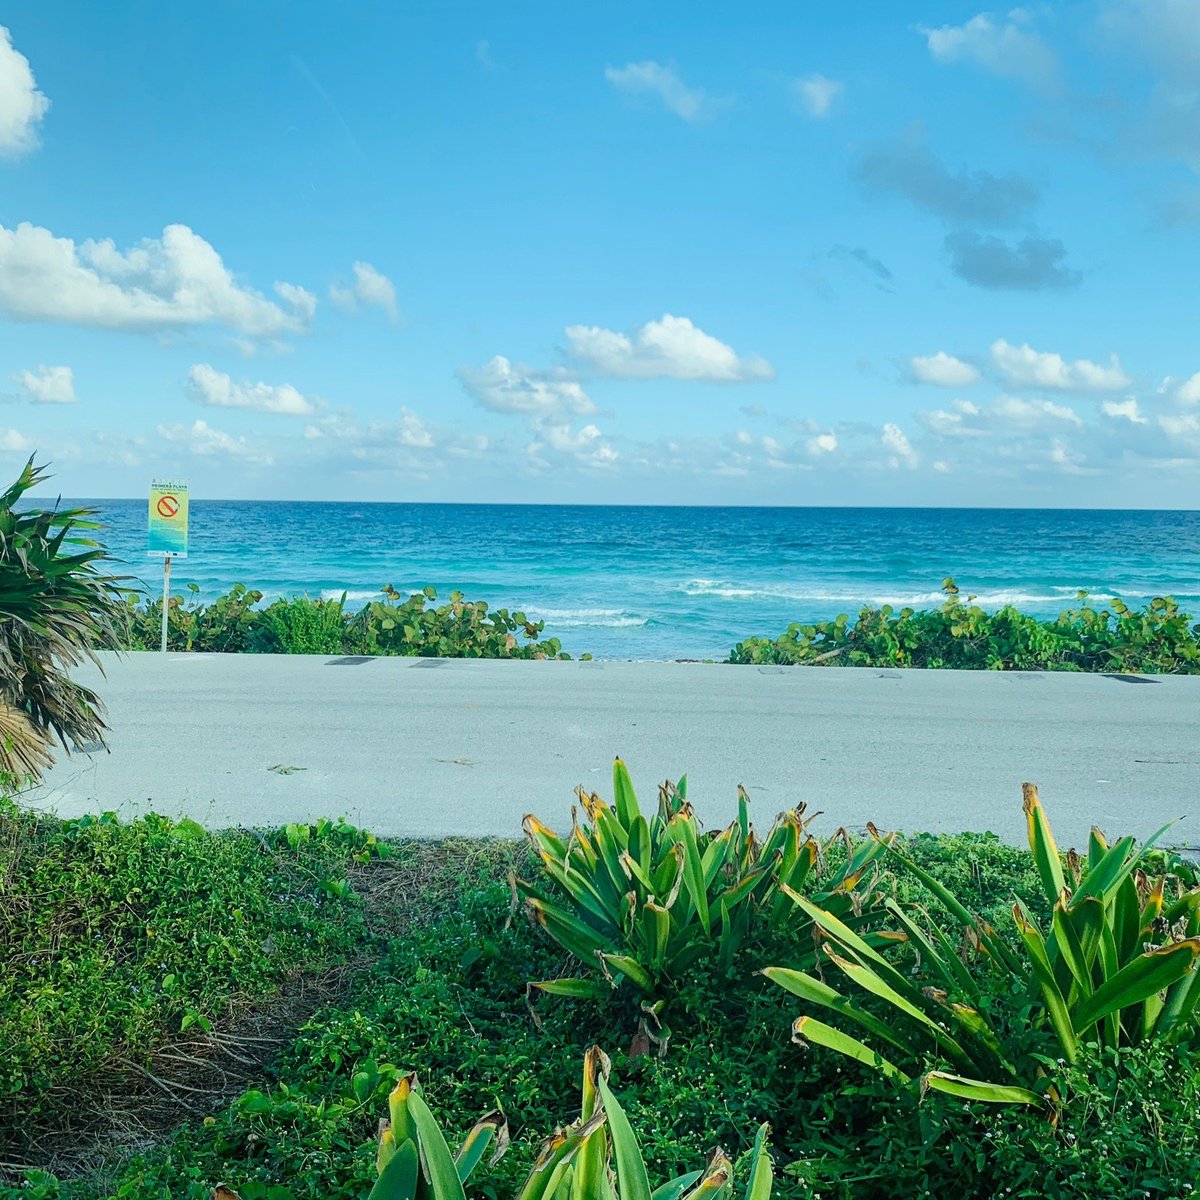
{"points": [[57, 608], [647, 900], [595, 1158], [1116, 965]]}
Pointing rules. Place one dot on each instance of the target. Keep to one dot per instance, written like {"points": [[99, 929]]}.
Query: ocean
{"points": [[662, 582]]}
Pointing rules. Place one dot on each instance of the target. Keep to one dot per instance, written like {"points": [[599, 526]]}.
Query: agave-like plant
{"points": [[1116, 965], [57, 607], [595, 1158], [646, 899]]}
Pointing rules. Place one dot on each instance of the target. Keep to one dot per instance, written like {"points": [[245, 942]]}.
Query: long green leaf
{"points": [[1146, 975], [1056, 1004], [809, 1029], [438, 1163], [623, 795], [977, 1089], [633, 1183], [398, 1179], [814, 991], [488, 1129], [1042, 845]]}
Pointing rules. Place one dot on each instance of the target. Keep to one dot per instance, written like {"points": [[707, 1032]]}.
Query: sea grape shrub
{"points": [[1158, 639], [412, 626], [460, 629], [227, 625]]}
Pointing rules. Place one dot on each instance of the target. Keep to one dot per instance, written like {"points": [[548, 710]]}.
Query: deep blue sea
{"points": [[653, 582]]}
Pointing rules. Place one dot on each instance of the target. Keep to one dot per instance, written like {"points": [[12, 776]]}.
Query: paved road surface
{"points": [[425, 747]]}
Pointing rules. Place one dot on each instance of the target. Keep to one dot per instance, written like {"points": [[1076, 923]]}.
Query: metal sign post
{"points": [[167, 535]]}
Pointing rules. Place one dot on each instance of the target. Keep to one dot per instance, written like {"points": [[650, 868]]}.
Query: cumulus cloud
{"points": [[1026, 367], [369, 287], [909, 169], [22, 106], [406, 443], [663, 81], [586, 447], [14, 442], [942, 369], [669, 348], [202, 439], [214, 388], [1124, 410], [895, 440], [1008, 414], [177, 281], [821, 443], [507, 387], [1188, 392], [1032, 264], [1005, 47], [48, 385], [816, 94]]}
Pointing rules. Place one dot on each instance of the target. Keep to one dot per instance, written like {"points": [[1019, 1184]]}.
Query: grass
{"points": [[443, 992]]}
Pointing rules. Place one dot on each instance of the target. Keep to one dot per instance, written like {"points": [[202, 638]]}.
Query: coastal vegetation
{"points": [[1156, 639], [966, 1052], [409, 626]]}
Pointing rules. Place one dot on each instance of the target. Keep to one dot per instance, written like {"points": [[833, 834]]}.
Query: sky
{"points": [[777, 253]]}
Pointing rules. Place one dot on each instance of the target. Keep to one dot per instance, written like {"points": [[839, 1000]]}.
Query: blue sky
{"points": [[775, 253]]}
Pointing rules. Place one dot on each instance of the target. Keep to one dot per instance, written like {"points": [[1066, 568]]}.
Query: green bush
{"points": [[1158, 639], [118, 934], [1114, 966], [655, 900], [396, 625]]}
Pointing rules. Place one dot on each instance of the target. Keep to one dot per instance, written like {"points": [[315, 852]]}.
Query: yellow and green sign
{"points": [[168, 537]]}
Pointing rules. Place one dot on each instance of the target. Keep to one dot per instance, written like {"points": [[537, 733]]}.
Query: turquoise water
{"points": [[675, 582]]}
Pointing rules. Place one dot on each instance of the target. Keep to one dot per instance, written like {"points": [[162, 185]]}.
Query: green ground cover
{"points": [[409, 626], [443, 992], [1156, 639]]}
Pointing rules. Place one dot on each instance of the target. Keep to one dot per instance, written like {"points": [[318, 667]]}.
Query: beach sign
{"points": [[168, 525]]}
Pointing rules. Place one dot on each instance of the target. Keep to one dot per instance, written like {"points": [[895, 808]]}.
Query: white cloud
{"points": [[22, 106], [177, 281], [669, 348], [202, 439], [586, 446], [1188, 392], [895, 440], [942, 369], [822, 443], [506, 387], [1026, 367], [48, 385], [13, 442], [1124, 410], [369, 287], [214, 388], [1008, 414], [1184, 426], [652, 78], [816, 94], [1005, 48]]}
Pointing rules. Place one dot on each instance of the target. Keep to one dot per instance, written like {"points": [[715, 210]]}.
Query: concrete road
{"points": [[424, 747]]}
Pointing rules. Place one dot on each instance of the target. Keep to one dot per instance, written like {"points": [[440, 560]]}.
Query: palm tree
{"points": [[57, 608]]}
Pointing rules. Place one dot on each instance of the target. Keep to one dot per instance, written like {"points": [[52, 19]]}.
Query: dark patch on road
{"points": [[350, 660], [1130, 678]]}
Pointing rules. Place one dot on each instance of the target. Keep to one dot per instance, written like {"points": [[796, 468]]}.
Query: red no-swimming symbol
{"points": [[168, 506]]}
